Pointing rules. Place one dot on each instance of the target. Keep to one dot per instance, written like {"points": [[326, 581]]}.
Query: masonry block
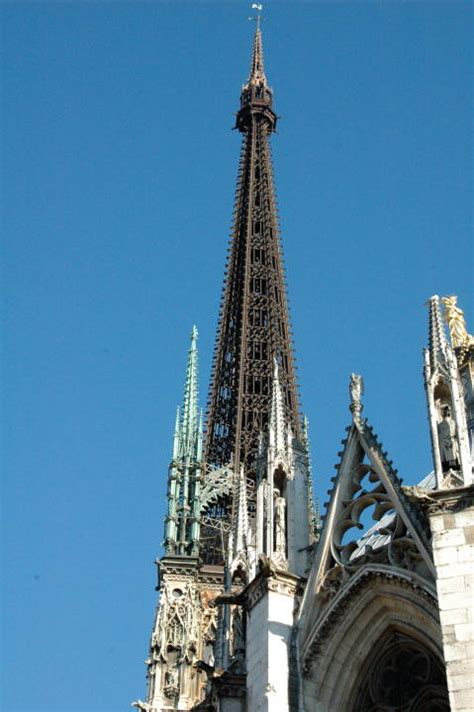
{"points": [[450, 601], [465, 553], [448, 537], [464, 632], [458, 615], [454, 569], [445, 556], [451, 585], [469, 534], [437, 523]]}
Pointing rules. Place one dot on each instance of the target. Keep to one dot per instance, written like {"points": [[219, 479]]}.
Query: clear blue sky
{"points": [[119, 170]]}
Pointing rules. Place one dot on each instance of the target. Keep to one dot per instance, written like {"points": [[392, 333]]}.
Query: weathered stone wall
{"points": [[453, 551], [297, 515], [270, 618], [232, 705], [256, 653]]}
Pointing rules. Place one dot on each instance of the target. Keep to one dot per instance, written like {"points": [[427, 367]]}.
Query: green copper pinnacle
{"points": [[182, 526], [188, 429]]}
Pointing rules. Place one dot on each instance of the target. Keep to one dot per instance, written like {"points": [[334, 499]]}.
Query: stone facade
{"points": [[184, 633], [452, 524]]}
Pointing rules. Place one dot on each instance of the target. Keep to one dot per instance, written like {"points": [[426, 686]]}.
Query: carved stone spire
{"points": [[238, 544], [277, 430], [254, 321], [437, 334], [242, 514]]}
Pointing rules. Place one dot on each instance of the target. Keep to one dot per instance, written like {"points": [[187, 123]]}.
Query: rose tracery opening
{"points": [[404, 677]]}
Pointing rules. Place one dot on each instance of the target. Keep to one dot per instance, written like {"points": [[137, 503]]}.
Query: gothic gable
{"points": [[369, 525]]}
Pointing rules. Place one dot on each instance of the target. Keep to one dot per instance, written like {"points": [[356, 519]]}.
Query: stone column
{"points": [[451, 515], [270, 602], [298, 513]]}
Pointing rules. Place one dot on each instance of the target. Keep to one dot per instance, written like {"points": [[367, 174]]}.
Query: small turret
{"points": [[446, 406], [238, 554], [182, 521], [283, 492], [277, 428]]}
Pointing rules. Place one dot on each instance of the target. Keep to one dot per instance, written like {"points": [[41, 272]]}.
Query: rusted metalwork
{"points": [[254, 325]]}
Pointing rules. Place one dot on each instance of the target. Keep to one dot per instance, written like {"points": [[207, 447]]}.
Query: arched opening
{"points": [[279, 481], [447, 435], [402, 675], [442, 397], [351, 645]]}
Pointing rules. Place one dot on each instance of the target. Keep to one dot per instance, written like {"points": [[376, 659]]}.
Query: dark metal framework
{"points": [[254, 326]]}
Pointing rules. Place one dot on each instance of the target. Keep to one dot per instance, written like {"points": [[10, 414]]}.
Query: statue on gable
{"points": [[356, 390], [454, 317]]}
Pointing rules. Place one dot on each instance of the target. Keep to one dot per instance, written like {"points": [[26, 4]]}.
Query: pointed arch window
{"points": [[403, 677]]}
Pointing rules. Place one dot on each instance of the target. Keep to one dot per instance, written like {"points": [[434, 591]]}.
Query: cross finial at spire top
{"points": [[257, 71], [259, 8]]}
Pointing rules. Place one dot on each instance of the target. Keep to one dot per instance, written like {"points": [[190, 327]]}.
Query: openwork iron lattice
{"points": [[254, 323]]}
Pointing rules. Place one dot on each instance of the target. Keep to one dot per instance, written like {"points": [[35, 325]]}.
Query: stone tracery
{"points": [[403, 676], [368, 530]]}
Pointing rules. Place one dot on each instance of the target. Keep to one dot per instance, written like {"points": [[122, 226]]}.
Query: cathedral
{"points": [[264, 605]]}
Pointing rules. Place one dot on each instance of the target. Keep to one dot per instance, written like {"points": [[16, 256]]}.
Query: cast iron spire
{"points": [[254, 327]]}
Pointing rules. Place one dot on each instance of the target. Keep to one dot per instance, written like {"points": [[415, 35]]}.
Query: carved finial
{"points": [[259, 8], [437, 336], [142, 706], [356, 390], [454, 318], [242, 514], [277, 412], [257, 69], [190, 417]]}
